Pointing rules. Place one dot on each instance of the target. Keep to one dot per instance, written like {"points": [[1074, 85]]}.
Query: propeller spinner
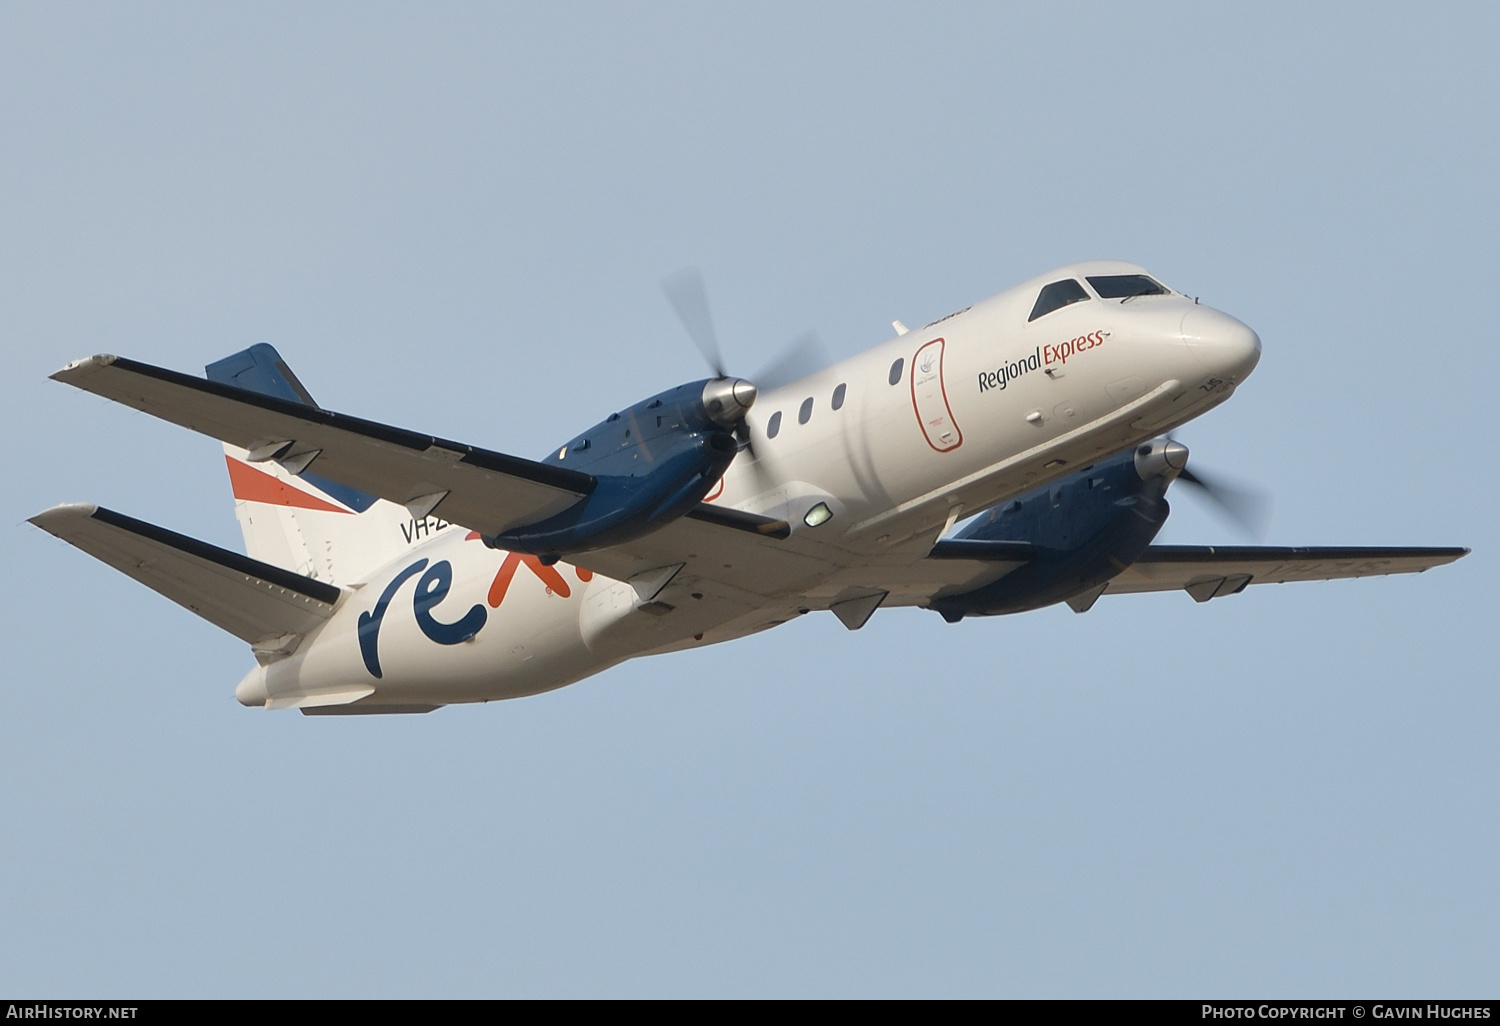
{"points": [[1249, 509], [727, 399]]}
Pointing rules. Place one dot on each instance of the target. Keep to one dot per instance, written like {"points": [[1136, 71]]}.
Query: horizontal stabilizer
{"points": [[1213, 571], [486, 491], [267, 606]]}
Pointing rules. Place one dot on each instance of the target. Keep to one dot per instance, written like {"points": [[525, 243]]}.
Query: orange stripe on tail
{"points": [[254, 485]]}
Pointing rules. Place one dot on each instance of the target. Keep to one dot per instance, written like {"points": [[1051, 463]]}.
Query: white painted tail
{"points": [[301, 521]]}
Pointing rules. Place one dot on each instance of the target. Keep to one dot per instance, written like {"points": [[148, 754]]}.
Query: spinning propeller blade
{"points": [[1248, 508], [688, 296], [805, 355]]}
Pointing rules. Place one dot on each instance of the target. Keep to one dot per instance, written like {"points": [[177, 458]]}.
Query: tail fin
{"points": [[293, 518]]}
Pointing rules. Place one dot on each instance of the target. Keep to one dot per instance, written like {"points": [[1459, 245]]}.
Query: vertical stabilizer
{"points": [[293, 518]]}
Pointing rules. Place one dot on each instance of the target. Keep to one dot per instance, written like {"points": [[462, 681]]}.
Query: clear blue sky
{"points": [[455, 218]]}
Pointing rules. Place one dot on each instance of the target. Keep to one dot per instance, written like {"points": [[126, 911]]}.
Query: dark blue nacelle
{"points": [[1085, 529], [654, 462]]}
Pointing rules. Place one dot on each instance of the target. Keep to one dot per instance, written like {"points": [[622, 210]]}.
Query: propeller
{"points": [[688, 295], [1248, 508], [804, 355], [686, 292]]}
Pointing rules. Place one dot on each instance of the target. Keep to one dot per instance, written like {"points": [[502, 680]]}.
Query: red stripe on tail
{"points": [[257, 486]]}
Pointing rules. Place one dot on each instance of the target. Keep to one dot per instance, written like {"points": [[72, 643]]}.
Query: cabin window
{"points": [[1123, 286], [1056, 296], [838, 397], [805, 414], [896, 370], [773, 426]]}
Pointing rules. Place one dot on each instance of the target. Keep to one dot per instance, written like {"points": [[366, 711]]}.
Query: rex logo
{"points": [[433, 587]]}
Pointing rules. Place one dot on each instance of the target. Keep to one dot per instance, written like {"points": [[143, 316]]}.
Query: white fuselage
{"points": [[985, 405]]}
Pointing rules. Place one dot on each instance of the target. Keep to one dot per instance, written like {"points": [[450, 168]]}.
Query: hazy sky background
{"points": [[456, 217]]}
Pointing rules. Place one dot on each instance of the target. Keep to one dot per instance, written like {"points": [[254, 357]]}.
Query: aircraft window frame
{"points": [[897, 369], [838, 396], [773, 426], [1046, 300], [804, 414], [1157, 288]]}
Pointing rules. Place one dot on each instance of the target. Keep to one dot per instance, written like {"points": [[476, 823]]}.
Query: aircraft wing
{"points": [[750, 554], [483, 490], [267, 606], [746, 557], [720, 570], [735, 560], [1212, 571]]}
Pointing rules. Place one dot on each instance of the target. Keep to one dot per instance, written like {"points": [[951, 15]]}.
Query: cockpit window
{"points": [[1056, 296], [1123, 286]]}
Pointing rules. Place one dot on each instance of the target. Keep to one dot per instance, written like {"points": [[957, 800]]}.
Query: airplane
{"points": [[1010, 456]]}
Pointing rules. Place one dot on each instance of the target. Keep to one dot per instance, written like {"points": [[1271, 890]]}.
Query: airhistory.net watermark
{"points": [[45, 1010]]}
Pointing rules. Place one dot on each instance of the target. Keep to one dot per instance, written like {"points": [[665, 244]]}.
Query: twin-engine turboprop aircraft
{"points": [[390, 571]]}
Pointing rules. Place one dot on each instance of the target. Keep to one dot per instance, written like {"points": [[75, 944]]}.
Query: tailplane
{"points": [[290, 516]]}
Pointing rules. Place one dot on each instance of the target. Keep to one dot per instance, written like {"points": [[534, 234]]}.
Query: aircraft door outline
{"points": [[929, 398]]}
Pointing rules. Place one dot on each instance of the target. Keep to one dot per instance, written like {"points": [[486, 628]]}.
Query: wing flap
{"points": [[482, 490], [760, 564], [1212, 571], [744, 554], [264, 605]]}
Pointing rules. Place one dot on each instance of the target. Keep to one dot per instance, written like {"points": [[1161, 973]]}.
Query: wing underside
{"points": [[483, 490], [264, 605], [740, 558], [1212, 571]]}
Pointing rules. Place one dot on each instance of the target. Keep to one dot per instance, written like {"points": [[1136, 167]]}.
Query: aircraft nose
{"points": [[1226, 347]]}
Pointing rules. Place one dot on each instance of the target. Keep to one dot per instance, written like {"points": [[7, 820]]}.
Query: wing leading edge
{"points": [[483, 490]]}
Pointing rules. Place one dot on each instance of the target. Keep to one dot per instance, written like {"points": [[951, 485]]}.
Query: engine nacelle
{"points": [[1086, 528], [654, 461]]}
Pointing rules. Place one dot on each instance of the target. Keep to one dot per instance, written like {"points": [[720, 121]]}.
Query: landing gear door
{"points": [[929, 398]]}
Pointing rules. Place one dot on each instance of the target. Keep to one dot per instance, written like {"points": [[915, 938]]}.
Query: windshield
{"points": [[1123, 286], [1056, 296]]}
